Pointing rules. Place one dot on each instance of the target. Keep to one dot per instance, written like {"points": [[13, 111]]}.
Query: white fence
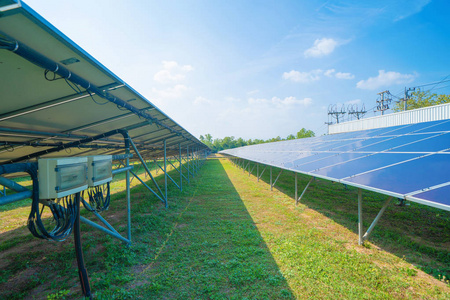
{"points": [[426, 114]]}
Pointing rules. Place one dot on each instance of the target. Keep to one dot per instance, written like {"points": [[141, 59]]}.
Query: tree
{"points": [[290, 137], [303, 133], [420, 99], [230, 142]]}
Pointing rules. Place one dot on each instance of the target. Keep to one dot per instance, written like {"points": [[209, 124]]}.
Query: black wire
{"points": [[54, 76], [74, 87], [92, 97]]}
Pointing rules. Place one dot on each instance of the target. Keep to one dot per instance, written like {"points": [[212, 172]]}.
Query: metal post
{"points": [[82, 272], [181, 171], [165, 173], [271, 186], [127, 178], [377, 218], [304, 191], [296, 188], [360, 219], [187, 159], [257, 171]]}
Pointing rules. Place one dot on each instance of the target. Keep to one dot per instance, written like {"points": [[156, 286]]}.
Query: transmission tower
{"points": [[335, 113], [384, 101], [352, 110]]}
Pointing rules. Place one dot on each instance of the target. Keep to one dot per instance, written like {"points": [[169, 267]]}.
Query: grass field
{"points": [[227, 236]]}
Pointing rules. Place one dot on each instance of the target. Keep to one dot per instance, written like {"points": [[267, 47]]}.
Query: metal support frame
{"points": [[247, 167], [165, 174], [365, 236], [260, 175], [181, 170], [271, 186], [281, 171], [187, 159], [257, 171], [148, 171], [360, 218], [297, 200], [250, 172]]}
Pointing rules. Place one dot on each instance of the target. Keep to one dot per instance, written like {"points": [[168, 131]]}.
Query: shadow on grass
{"points": [[417, 233], [205, 246], [213, 250]]}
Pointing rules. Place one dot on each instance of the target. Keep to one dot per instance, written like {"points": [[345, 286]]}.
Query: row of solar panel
{"points": [[410, 161]]}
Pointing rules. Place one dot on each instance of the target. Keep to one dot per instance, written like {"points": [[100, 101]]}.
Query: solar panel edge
{"points": [[428, 203]]}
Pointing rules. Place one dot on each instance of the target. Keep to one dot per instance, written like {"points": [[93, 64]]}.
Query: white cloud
{"points": [[356, 101], [314, 75], [291, 101], [174, 92], [280, 103], [321, 47], [257, 101], [252, 92], [385, 79], [303, 77], [232, 99], [172, 72], [201, 100], [340, 75], [329, 73]]}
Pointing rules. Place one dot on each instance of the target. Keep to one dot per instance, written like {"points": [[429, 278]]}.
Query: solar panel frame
{"points": [[361, 155]]}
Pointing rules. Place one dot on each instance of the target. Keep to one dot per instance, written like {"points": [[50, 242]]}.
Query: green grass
{"points": [[226, 236]]}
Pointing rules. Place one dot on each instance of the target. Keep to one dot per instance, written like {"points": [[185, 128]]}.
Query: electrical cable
{"points": [[99, 198], [64, 213]]}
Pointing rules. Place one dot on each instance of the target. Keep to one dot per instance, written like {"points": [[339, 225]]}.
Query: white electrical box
{"points": [[99, 169], [59, 177]]}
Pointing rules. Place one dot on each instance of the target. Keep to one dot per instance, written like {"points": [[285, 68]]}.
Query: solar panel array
{"points": [[53, 92], [408, 161]]}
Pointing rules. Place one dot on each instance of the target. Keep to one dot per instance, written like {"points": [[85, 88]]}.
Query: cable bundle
{"points": [[99, 199], [64, 213]]}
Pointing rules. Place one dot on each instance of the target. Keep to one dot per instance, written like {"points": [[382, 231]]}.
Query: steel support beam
{"points": [[257, 171], [377, 218], [250, 173], [127, 178], [297, 200], [165, 174], [271, 186], [181, 170], [105, 230], [276, 179], [149, 188], [260, 175], [360, 218], [187, 159], [146, 169]]}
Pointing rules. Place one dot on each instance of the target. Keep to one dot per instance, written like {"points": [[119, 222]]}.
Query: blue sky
{"points": [[260, 69]]}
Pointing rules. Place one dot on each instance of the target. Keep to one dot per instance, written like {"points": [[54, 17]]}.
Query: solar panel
{"points": [[38, 108], [406, 161]]}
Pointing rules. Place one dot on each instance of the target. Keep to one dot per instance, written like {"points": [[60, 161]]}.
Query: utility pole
{"points": [[332, 110], [352, 109], [383, 103], [407, 97]]}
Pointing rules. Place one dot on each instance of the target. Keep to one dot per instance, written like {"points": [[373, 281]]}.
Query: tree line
{"points": [[420, 98], [230, 142]]}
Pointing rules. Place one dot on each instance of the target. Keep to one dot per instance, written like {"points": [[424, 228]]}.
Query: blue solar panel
{"points": [[361, 143], [434, 144], [408, 177], [441, 126], [363, 164], [411, 128], [393, 142], [439, 193], [335, 159], [401, 160]]}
